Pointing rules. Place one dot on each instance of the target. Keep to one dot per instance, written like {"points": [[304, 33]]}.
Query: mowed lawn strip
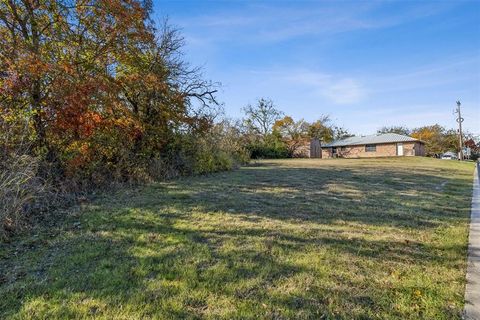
{"points": [[278, 239]]}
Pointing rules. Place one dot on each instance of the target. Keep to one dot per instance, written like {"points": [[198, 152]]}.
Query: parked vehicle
{"points": [[449, 156]]}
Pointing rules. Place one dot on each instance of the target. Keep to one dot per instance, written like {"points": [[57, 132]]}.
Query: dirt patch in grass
{"points": [[298, 239]]}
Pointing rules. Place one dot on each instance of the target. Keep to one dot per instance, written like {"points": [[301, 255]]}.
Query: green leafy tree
{"points": [[450, 141]]}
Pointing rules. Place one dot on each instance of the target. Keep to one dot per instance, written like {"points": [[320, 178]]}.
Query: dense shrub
{"points": [[30, 185], [261, 151], [19, 188], [218, 149], [271, 146]]}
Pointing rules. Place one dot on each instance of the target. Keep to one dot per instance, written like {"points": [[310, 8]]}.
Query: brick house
{"points": [[377, 145]]}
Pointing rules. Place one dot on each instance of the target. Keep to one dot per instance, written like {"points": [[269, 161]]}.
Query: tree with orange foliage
{"points": [[96, 84], [294, 133], [437, 139], [58, 58]]}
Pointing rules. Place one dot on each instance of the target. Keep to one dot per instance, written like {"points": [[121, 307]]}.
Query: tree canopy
{"points": [[437, 139], [97, 81]]}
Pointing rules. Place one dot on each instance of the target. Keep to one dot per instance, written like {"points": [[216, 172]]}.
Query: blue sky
{"points": [[365, 63]]}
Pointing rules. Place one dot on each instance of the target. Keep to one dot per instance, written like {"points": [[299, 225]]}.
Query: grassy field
{"points": [[279, 239]]}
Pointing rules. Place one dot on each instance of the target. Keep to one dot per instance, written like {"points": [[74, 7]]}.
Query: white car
{"points": [[449, 156]]}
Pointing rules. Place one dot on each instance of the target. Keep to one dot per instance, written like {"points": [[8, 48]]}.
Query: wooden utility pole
{"points": [[460, 135]]}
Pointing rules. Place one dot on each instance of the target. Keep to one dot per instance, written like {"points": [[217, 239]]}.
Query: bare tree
{"points": [[261, 117], [340, 133], [190, 80]]}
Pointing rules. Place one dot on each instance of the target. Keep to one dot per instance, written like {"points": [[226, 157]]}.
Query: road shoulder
{"points": [[472, 290]]}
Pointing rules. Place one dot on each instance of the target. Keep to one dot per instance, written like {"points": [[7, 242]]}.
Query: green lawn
{"points": [[279, 239]]}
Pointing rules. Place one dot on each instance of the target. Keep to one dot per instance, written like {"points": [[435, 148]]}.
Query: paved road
{"points": [[472, 291]]}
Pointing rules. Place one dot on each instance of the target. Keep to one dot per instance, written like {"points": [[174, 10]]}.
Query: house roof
{"points": [[371, 139]]}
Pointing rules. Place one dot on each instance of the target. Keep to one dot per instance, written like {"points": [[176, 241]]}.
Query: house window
{"points": [[370, 148], [343, 148]]}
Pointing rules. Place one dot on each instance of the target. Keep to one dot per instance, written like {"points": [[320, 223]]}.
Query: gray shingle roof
{"points": [[372, 139]]}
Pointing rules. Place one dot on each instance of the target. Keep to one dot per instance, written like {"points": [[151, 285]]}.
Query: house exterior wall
{"points": [[326, 153], [382, 150], [409, 149]]}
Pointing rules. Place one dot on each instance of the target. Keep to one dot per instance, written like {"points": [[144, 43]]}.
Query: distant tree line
{"points": [[266, 132], [437, 138]]}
